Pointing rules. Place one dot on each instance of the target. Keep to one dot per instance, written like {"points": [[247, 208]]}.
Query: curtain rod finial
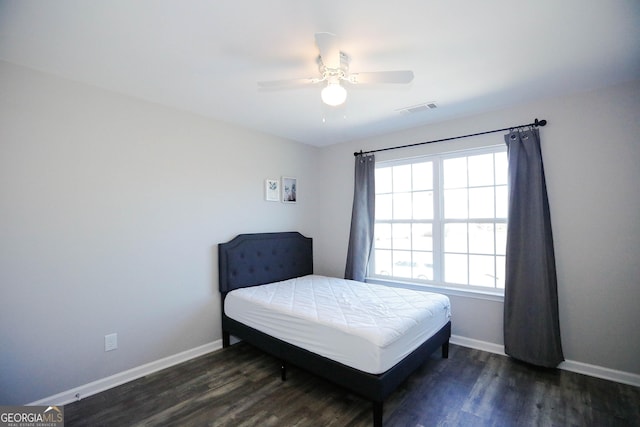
{"points": [[542, 122], [358, 153]]}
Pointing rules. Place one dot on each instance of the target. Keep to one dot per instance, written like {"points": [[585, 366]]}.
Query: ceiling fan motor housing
{"points": [[340, 73]]}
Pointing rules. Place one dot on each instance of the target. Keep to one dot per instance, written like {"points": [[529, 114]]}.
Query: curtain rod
{"points": [[536, 123]]}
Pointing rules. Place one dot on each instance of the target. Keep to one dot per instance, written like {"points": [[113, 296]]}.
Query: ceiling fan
{"points": [[333, 66]]}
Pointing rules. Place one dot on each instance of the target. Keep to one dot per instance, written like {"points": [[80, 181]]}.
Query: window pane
{"points": [[502, 201], [401, 236], [500, 270], [384, 206], [422, 237], [383, 180], [423, 205], [481, 202], [402, 206], [481, 170], [402, 264], [455, 204], [383, 263], [482, 270], [382, 233], [402, 178], [422, 176], [423, 265], [455, 172], [455, 268], [501, 167], [501, 239], [455, 238], [481, 239]]}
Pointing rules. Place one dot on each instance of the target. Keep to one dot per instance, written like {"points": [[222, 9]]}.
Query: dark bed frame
{"points": [[256, 259]]}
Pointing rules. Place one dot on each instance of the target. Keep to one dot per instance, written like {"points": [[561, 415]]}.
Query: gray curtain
{"points": [[531, 321], [362, 218]]}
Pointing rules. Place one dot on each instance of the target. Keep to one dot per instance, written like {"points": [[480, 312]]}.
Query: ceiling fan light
{"points": [[333, 94]]}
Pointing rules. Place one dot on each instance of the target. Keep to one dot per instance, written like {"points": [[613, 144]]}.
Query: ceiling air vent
{"points": [[418, 108]]}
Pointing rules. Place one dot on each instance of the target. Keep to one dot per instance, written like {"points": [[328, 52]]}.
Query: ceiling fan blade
{"points": [[329, 51], [288, 83], [403, 76]]}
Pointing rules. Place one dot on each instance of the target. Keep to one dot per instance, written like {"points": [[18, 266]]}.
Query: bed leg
{"points": [[445, 350], [283, 370], [377, 414], [226, 339]]}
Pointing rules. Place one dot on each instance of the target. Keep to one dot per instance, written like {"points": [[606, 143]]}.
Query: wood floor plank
{"points": [[241, 386]]}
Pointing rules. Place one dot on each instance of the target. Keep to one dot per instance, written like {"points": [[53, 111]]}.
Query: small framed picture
{"points": [[272, 190], [289, 189]]}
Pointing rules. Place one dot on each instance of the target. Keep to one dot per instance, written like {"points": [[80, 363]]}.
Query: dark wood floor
{"points": [[241, 386]]}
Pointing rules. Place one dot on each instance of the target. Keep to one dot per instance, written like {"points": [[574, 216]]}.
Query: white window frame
{"points": [[438, 222]]}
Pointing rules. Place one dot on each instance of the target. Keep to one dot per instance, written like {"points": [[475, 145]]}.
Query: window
{"points": [[443, 219]]}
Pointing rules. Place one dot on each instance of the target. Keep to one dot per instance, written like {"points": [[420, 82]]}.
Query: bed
{"points": [[265, 277]]}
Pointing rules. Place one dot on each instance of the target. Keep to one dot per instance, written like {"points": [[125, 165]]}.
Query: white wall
{"points": [[110, 213], [591, 150]]}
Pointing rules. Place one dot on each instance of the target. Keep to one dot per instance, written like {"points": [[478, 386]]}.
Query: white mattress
{"points": [[362, 325]]}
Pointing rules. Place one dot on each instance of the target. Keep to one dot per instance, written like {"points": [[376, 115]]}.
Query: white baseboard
{"points": [[103, 384], [124, 377], [477, 344], [601, 372], [567, 365]]}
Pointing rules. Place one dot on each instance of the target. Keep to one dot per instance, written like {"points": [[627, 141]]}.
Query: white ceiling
{"points": [[206, 56]]}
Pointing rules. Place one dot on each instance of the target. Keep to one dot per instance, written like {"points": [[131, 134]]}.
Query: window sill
{"points": [[467, 293]]}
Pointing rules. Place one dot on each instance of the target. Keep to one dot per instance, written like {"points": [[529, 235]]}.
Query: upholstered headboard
{"points": [[256, 259]]}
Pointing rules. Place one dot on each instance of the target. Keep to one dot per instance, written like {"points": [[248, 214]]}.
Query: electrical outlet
{"points": [[110, 342]]}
